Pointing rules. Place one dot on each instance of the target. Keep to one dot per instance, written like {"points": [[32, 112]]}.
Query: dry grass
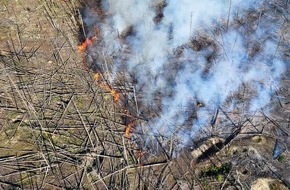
{"points": [[60, 130], [57, 126]]}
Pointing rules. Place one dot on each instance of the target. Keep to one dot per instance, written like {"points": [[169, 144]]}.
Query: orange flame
{"points": [[82, 48], [116, 95], [97, 77], [107, 88], [128, 129]]}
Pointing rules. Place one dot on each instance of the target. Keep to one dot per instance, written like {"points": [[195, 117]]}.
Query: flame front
{"points": [[114, 93], [83, 47]]}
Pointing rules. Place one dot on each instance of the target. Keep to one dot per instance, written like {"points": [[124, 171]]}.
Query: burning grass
{"points": [[161, 90], [107, 88], [83, 47], [64, 127], [54, 116], [103, 84]]}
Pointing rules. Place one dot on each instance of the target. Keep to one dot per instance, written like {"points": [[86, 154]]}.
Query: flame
{"points": [[128, 130], [114, 93], [97, 77], [130, 124], [82, 48]]}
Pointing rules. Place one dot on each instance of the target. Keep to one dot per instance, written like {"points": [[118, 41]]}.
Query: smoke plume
{"points": [[188, 58]]}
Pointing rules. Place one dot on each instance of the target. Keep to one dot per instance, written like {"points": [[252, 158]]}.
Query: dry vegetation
{"points": [[61, 130]]}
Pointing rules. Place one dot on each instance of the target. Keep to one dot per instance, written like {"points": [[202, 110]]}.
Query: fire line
{"points": [[107, 88], [83, 47], [115, 94]]}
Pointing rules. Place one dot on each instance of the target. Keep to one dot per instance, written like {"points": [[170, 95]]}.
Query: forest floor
{"points": [[60, 130]]}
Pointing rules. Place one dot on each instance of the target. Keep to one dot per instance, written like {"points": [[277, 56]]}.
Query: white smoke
{"points": [[149, 53]]}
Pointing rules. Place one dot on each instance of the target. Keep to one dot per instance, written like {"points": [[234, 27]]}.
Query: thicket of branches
{"points": [[61, 130]]}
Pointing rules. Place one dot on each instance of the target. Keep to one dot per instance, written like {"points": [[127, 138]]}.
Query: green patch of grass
{"points": [[282, 159], [216, 170], [220, 178]]}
